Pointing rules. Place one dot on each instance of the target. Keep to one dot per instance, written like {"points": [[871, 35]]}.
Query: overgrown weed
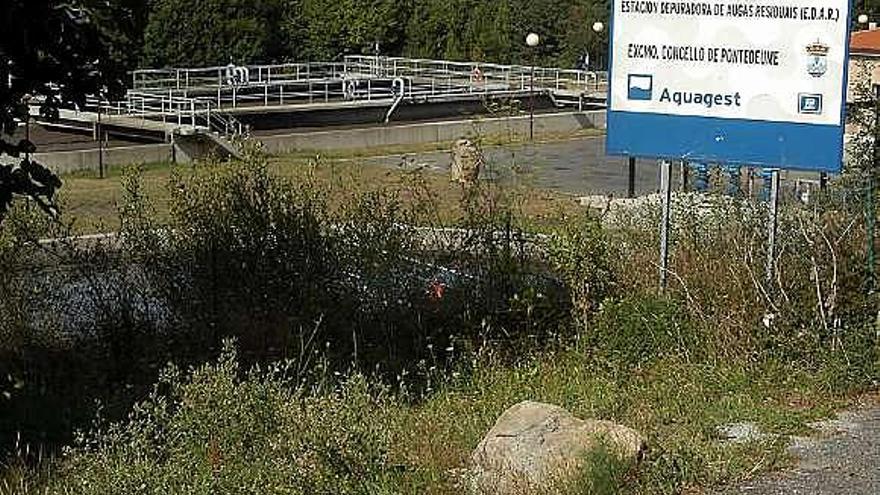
{"points": [[403, 334]]}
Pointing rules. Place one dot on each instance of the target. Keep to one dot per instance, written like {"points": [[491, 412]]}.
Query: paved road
{"points": [[843, 460], [577, 166]]}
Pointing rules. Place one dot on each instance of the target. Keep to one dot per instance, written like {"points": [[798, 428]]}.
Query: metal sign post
{"points": [[773, 225], [666, 188], [870, 226], [631, 179]]}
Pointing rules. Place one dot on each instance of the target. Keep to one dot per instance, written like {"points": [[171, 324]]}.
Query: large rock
{"points": [[534, 445], [467, 161]]}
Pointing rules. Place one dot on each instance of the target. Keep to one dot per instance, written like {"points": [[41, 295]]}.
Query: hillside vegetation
{"points": [[378, 332], [216, 32]]}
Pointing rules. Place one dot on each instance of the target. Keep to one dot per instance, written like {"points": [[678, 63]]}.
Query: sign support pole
{"points": [[685, 172], [773, 225], [631, 179], [870, 227], [666, 188], [870, 212]]}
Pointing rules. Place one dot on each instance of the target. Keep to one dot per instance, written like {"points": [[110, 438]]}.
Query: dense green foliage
{"points": [[206, 32], [216, 432], [251, 255], [449, 327]]}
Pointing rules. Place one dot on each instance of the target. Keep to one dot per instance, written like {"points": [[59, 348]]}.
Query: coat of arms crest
{"points": [[817, 63]]}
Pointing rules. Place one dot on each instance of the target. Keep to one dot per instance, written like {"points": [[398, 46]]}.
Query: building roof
{"points": [[865, 42]]}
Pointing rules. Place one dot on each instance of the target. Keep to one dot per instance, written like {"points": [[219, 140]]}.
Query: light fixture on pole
{"points": [[599, 28], [863, 19], [532, 41]]}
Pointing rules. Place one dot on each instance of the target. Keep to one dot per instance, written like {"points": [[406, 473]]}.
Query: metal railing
{"points": [[361, 78], [203, 99], [175, 113], [487, 74], [212, 77]]}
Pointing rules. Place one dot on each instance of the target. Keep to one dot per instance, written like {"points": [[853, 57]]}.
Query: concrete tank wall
{"points": [[554, 124], [71, 161], [434, 132]]}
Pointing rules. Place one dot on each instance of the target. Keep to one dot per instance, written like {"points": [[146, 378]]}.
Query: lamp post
{"points": [[599, 28], [532, 41]]}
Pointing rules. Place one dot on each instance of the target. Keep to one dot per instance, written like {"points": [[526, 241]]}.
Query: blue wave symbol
{"points": [[640, 87]]}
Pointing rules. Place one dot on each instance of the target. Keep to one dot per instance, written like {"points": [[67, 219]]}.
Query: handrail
{"points": [[196, 97], [361, 65]]}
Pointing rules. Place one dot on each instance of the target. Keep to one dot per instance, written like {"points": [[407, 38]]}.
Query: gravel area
{"points": [[843, 458]]}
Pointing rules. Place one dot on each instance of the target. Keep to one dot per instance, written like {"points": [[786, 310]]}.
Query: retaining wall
{"points": [[336, 139]]}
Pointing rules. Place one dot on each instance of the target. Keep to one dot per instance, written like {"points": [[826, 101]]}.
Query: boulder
{"points": [[467, 161], [534, 445]]}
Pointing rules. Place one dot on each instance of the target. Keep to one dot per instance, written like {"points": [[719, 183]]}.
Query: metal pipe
{"points": [[532, 105], [100, 144]]}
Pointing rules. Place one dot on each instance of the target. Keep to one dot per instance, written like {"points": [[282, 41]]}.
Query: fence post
{"points": [[773, 225], [666, 191]]}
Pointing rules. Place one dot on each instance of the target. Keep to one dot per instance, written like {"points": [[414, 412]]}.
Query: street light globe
{"points": [[598, 27], [533, 39], [863, 19]]}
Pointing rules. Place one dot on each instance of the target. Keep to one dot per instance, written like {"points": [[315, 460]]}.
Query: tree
{"points": [[327, 29], [198, 33], [52, 54]]}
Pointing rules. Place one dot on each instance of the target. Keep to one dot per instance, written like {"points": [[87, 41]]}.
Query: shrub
{"points": [[216, 431], [815, 307], [280, 266], [581, 255], [641, 329]]}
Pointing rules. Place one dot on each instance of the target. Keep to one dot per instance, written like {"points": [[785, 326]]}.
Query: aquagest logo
{"points": [[641, 88]]}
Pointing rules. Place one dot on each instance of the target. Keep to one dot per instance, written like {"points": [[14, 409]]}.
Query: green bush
{"points": [[641, 329], [816, 309], [581, 254], [276, 264], [220, 430]]}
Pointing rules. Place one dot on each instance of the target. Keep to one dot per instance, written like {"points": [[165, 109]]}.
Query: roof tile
{"points": [[865, 42]]}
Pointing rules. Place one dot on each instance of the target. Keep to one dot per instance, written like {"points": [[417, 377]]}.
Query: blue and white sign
{"points": [[730, 81]]}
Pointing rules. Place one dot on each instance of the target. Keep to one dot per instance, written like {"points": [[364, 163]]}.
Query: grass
{"points": [[93, 201], [674, 367], [678, 405]]}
